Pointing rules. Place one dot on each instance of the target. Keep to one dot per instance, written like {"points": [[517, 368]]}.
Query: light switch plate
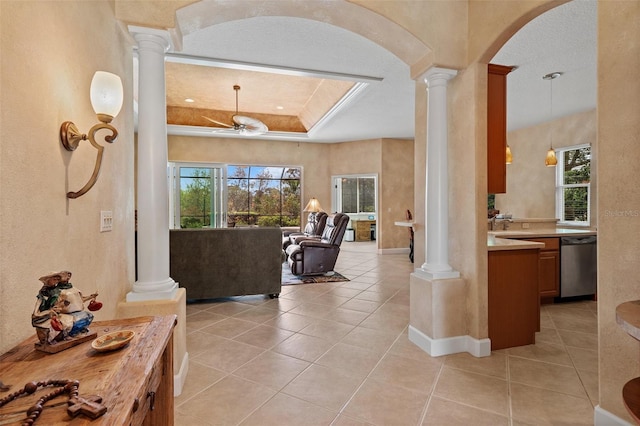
{"points": [[525, 225], [106, 221]]}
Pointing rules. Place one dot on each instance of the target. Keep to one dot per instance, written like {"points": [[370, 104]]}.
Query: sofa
{"points": [[225, 262]]}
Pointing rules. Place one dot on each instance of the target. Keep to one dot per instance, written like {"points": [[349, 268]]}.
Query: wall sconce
{"points": [[508, 155], [313, 207], [106, 99]]}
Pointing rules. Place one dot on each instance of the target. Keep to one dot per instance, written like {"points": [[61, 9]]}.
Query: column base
{"points": [[437, 272], [152, 290], [177, 305], [437, 318]]}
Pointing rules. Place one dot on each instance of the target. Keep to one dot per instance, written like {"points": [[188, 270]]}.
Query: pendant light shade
{"points": [[551, 160], [509, 157]]}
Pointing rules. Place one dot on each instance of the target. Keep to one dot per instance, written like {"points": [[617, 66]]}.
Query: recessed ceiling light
{"points": [[279, 107], [189, 100]]}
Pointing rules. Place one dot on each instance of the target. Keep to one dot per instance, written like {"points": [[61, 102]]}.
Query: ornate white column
{"points": [[153, 281], [437, 265]]}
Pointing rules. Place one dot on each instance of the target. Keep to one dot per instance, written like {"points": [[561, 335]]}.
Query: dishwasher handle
{"points": [[572, 241]]}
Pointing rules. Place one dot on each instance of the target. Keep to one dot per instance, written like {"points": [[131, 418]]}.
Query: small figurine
{"points": [[59, 313]]}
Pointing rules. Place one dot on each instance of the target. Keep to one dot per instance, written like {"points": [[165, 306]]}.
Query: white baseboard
{"points": [[181, 376], [602, 417], [450, 345]]}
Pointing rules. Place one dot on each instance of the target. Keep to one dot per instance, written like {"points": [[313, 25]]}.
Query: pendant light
{"points": [[551, 160]]}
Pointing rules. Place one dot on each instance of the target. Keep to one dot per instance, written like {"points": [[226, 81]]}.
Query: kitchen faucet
{"points": [[505, 223]]}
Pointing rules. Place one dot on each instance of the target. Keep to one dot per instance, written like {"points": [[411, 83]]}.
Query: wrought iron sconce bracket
{"points": [[70, 137]]}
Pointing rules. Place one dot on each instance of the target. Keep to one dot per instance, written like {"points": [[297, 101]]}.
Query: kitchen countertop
{"points": [[502, 240]]}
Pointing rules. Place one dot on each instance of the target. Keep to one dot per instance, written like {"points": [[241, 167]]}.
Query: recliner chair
{"points": [[318, 256], [309, 232]]}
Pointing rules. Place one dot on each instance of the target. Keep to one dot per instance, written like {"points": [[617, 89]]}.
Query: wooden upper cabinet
{"points": [[497, 128]]}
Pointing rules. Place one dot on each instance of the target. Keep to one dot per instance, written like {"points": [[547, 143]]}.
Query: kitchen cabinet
{"points": [[513, 302], [497, 128], [549, 264]]}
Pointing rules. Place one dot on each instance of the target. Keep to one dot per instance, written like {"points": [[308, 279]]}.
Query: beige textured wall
{"points": [[319, 163], [50, 51], [618, 153], [492, 23], [467, 184], [531, 184], [395, 191], [431, 22]]}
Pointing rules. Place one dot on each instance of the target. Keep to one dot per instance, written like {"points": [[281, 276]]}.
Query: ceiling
{"points": [[311, 81], [564, 39]]}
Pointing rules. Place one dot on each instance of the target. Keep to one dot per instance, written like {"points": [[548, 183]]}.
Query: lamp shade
{"points": [[313, 206], [551, 159], [106, 93], [509, 157]]}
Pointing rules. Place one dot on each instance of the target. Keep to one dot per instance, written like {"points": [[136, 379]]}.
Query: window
{"points": [[263, 195], [199, 195], [573, 185], [219, 195], [355, 194]]}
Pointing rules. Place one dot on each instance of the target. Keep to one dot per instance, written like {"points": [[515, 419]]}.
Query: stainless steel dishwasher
{"points": [[578, 269]]}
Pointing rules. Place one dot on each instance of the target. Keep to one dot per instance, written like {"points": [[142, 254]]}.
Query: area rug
{"points": [[289, 279]]}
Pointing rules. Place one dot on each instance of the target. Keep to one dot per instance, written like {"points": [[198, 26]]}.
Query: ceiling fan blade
{"points": [[250, 126], [217, 122]]}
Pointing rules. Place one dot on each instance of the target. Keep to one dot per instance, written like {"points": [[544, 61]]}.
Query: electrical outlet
{"points": [[106, 220], [525, 225]]}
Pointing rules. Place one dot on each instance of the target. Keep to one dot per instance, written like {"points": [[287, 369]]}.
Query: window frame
{"points": [[337, 193], [173, 168], [173, 177], [561, 186], [280, 179]]}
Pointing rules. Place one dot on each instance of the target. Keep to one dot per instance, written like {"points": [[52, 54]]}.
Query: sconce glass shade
{"points": [[509, 157], [106, 95], [551, 160], [313, 206]]}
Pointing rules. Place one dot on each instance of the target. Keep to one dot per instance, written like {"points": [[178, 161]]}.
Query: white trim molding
{"points": [[602, 417], [450, 345], [181, 376]]}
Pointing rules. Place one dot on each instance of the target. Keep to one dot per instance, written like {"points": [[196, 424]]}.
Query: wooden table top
{"points": [[116, 376]]}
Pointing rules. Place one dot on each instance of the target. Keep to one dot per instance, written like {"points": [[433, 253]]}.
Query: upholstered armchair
{"points": [[318, 256], [311, 231]]}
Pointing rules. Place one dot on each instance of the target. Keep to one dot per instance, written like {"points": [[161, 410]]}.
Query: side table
{"points": [[408, 224], [135, 382], [628, 318]]}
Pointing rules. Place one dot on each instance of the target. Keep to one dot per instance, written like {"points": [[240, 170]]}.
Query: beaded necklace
{"points": [[89, 406]]}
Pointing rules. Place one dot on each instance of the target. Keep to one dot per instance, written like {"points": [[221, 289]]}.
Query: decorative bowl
{"points": [[113, 341]]}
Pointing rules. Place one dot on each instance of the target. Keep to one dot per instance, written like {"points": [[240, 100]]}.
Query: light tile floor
{"points": [[338, 354]]}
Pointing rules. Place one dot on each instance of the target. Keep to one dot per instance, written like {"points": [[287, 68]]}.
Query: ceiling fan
{"points": [[242, 124]]}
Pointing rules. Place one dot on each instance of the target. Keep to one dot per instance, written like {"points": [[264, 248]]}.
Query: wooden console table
{"points": [[628, 318], [135, 382]]}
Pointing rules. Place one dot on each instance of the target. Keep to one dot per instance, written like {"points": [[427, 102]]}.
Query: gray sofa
{"points": [[225, 262]]}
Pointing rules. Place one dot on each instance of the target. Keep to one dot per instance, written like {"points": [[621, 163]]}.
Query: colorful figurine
{"points": [[59, 313]]}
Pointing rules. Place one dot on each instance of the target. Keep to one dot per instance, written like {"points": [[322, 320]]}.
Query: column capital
{"points": [[159, 37], [435, 74]]}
